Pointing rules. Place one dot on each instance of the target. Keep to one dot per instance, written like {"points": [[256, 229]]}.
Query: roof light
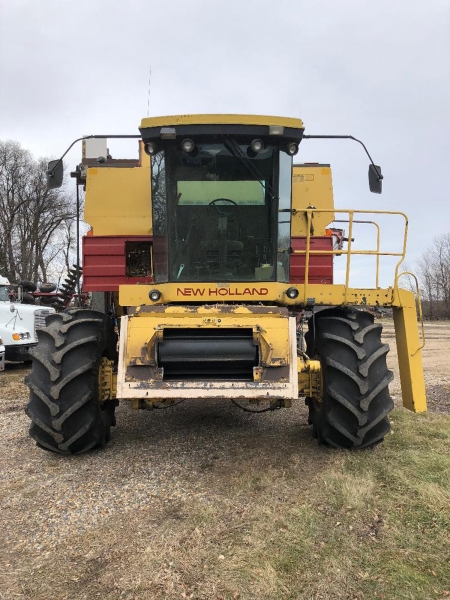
{"points": [[187, 145], [151, 148], [257, 146], [168, 133], [292, 148], [276, 129]]}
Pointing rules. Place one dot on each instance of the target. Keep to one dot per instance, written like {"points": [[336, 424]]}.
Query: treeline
{"points": [[36, 224], [434, 276]]}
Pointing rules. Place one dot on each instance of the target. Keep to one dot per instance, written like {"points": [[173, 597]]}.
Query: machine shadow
{"points": [[215, 428]]}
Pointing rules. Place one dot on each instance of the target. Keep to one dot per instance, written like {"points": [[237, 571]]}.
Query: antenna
{"points": [[149, 88]]}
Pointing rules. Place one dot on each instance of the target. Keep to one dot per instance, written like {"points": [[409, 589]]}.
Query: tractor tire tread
{"points": [[355, 405], [64, 408]]}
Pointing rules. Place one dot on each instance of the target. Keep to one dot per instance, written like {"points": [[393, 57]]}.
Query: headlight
{"points": [[292, 293], [154, 295], [21, 336]]}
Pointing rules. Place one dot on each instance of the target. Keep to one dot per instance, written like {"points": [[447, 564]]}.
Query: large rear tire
{"points": [[355, 402], [67, 416]]}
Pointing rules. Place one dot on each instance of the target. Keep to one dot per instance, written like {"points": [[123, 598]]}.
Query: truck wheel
{"points": [[64, 407], [353, 412]]}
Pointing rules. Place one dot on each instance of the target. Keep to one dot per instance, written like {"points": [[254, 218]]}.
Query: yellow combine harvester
{"points": [[204, 259]]}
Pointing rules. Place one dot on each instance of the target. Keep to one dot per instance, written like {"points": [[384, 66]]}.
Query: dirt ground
{"points": [[172, 507]]}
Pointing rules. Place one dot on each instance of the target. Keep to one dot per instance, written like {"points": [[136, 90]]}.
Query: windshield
{"points": [[4, 294], [215, 211]]}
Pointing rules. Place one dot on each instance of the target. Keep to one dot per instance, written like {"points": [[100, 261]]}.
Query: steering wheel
{"points": [[226, 208]]}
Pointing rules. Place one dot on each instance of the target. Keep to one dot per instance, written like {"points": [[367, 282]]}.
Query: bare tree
{"points": [[159, 193], [434, 272], [406, 281], [32, 218]]}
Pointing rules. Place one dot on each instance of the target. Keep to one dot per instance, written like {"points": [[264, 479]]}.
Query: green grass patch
{"points": [[379, 527]]}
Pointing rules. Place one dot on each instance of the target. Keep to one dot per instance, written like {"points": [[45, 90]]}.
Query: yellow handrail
{"points": [[307, 252], [419, 304], [377, 269], [339, 252]]}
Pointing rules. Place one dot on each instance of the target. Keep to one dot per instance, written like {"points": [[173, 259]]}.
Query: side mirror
{"points": [[375, 179], [55, 174]]}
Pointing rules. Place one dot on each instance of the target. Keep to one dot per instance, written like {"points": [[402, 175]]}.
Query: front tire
{"points": [[67, 416], [353, 412]]}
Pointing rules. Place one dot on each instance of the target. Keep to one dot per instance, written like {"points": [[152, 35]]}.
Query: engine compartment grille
{"points": [[208, 354], [39, 318]]}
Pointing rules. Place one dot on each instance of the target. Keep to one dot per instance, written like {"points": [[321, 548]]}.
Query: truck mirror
{"points": [[375, 179], [55, 174]]}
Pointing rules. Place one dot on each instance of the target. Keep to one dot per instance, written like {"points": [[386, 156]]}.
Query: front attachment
{"points": [[208, 352]]}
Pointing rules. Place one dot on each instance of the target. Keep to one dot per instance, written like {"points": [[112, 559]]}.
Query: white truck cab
{"points": [[18, 324], [2, 355]]}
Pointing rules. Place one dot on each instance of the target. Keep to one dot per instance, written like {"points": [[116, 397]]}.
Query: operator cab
{"points": [[221, 198]]}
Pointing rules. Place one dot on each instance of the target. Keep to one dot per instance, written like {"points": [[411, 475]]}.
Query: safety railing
{"points": [[418, 306], [377, 255], [350, 251]]}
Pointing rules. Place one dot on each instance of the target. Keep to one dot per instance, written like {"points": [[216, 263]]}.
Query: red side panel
{"points": [[320, 265], [104, 263]]}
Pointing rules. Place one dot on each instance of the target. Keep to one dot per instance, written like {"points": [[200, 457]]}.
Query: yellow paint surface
{"points": [[118, 201], [311, 186], [327, 295], [174, 120], [409, 354]]}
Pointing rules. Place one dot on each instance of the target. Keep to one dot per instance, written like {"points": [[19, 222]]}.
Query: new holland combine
{"points": [[205, 258]]}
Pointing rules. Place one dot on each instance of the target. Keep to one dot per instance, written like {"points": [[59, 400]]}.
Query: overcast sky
{"points": [[378, 70]]}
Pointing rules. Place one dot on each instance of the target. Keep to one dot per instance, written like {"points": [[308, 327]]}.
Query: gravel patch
{"points": [[158, 457], [438, 398]]}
